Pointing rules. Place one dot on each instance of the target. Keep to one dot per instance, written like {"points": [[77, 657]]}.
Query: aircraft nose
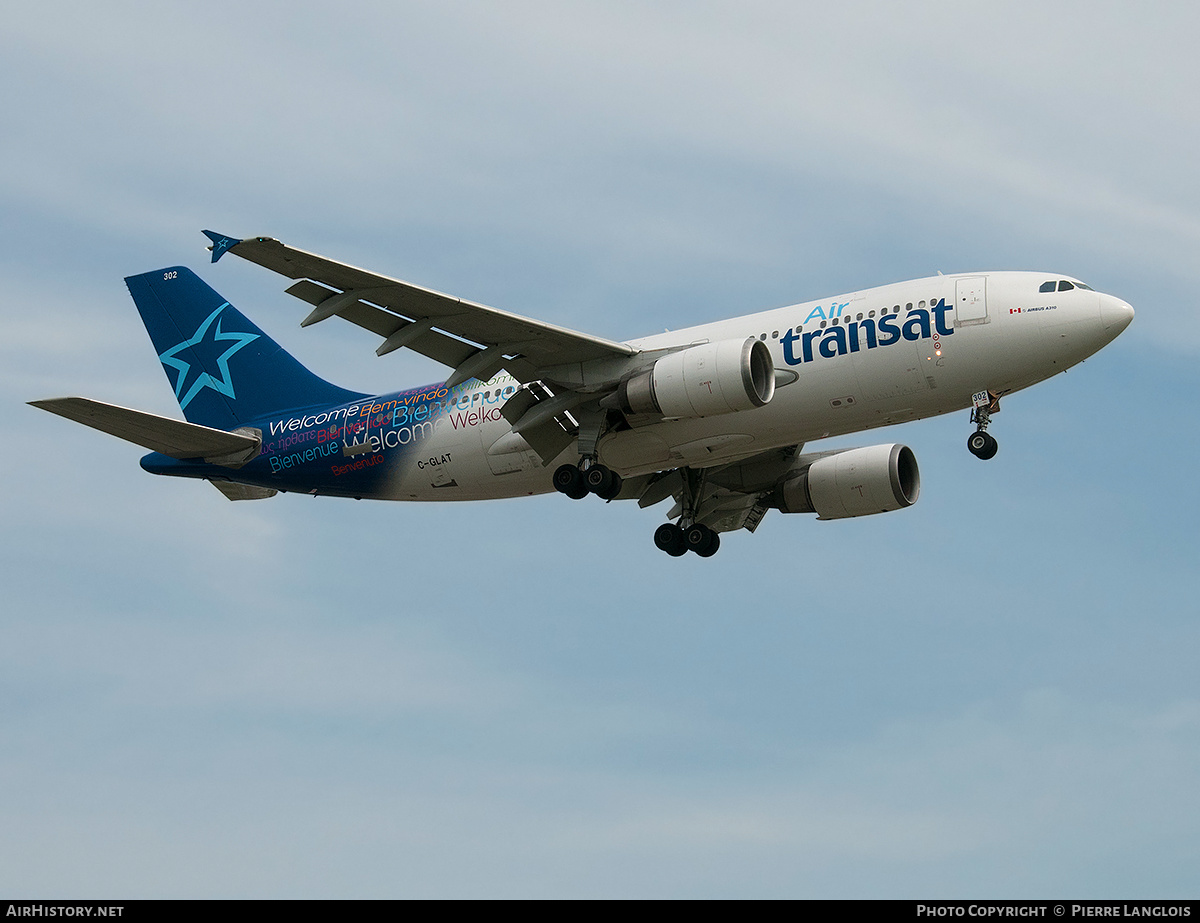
{"points": [[1115, 313]]}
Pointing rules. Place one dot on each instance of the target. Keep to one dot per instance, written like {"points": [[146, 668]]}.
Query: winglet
{"points": [[220, 243]]}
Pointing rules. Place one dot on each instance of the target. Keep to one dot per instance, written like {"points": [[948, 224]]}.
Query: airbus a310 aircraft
{"points": [[715, 417]]}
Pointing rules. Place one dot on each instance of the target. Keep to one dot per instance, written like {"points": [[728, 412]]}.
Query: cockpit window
{"points": [[1063, 285]]}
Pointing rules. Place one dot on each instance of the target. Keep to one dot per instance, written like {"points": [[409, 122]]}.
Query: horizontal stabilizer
{"points": [[174, 438]]}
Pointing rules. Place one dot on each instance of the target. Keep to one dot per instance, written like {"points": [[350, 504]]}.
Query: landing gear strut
{"points": [[589, 476], [688, 535], [981, 443]]}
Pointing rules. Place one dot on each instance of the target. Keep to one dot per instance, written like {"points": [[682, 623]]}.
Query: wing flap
{"points": [[734, 495], [728, 511]]}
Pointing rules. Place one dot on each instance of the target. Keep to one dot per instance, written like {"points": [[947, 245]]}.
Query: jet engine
{"points": [[853, 482], [703, 381]]}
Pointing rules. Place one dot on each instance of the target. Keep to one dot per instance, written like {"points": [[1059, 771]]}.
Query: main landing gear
{"points": [[981, 443], [676, 540], [596, 479]]}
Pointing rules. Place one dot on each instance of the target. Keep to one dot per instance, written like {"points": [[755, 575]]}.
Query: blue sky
{"points": [[990, 694]]}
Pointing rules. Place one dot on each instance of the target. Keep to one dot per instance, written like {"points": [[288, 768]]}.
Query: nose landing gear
{"points": [[981, 443]]}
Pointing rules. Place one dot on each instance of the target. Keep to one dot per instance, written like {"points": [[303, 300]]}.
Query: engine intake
{"points": [[854, 482], [703, 381]]}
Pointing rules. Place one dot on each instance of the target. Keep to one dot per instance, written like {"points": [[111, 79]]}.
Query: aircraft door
{"points": [[970, 301]]}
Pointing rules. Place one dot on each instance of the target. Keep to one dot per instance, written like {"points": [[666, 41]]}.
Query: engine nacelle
{"points": [[703, 381], [856, 482]]}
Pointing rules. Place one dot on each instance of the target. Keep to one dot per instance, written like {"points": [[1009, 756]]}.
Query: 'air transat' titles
{"points": [[856, 335]]}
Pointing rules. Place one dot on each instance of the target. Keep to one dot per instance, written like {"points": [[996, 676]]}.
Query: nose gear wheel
{"points": [[982, 445]]}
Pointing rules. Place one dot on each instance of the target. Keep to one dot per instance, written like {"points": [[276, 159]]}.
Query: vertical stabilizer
{"points": [[224, 369]]}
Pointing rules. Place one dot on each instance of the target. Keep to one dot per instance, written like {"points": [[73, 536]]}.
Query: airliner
{"points": [[713, 417]]}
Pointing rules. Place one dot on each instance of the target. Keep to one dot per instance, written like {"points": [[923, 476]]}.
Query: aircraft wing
{"points": [[475, 340]]}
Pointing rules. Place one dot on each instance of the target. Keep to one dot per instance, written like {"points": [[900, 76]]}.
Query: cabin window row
{"points": [[834, 322], [472, 396]]}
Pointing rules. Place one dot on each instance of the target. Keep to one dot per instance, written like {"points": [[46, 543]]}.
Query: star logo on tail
{"points": [[203, 345]]}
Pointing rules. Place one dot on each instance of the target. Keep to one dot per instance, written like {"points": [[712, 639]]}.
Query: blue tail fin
{"points": [[225, 371]]}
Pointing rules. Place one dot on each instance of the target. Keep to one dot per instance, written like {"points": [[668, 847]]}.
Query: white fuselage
{"points": [[861, 360]]}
